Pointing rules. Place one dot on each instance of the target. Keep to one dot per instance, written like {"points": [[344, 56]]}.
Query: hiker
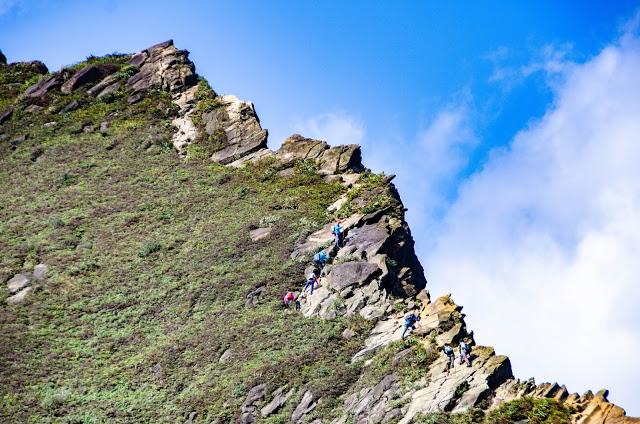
{"points": [[336, 230], [289, 300], [448, 350], [410, 322], [319, 259], [311, 281], [464, 350]]}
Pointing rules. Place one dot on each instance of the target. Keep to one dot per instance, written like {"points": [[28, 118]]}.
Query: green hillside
{"points": [[150, 263], [148, 236]]}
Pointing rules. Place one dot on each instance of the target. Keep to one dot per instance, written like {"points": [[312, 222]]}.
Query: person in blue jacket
{"points": [[410, 322], [336, 230], [319, 259]]}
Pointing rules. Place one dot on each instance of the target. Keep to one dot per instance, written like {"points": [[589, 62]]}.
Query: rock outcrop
{"points": [[21, 285], [162, 66]]}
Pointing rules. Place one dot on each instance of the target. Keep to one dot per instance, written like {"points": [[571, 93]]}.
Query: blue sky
{"points": [[512, 129]]}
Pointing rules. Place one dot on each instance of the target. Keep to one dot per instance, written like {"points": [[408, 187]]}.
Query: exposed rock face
{"points": [[279, 399], [17, 283], [234, 124], [251, 404], [41, 88], [162, 66], [84, 76], [5, 116], [306, 405]]}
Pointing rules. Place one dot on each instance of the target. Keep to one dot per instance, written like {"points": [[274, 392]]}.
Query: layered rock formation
{"points": [[375, 273]]}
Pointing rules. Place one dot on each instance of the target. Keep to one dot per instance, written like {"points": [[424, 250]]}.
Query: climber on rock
{"points": [[464, 350], [410, 322], [311, 281], [289, 300], [319, 259], [448, 350], [336, 230]]}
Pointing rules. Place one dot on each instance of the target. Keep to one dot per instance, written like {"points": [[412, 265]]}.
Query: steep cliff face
{"points": [[183, 168]]}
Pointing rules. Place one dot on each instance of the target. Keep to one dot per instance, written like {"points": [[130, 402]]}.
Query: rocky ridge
{"points": [[375, 274]]}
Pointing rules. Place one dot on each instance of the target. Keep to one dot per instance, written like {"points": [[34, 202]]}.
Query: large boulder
{"points": [[351, 273], [86, 75], [331, 160], [279, 399], [235, 125], [41, 87], [252, 403], [17, 283], [162, 66]]}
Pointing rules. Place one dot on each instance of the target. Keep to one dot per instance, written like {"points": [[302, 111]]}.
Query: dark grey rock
{"points": [[305, 406], [86, 75], [19, 140], [348, 334], [4, 117], [279, 399], [253, 297], [69, 107], [109, 90], [41, 87], [135, 98], [137, 59], [358, 273], [33, 108]]}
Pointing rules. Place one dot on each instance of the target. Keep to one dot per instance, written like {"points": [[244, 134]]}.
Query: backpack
{"points": [[448, 350], [316, 258], [464, 347], [410, 317]]}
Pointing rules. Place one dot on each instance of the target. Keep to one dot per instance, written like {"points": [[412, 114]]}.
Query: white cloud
{"points": [[542, 245], [333, 127], [428, 167]]}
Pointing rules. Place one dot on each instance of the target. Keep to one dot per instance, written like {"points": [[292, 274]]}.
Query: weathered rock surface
{"points": [[252, 403], [107, 81], [259, 233], [235, 125], [162, 66], [41, 87], [20, 296], [279, 399], [5, 116], [86, 75], [17, 283], [306, 405]]}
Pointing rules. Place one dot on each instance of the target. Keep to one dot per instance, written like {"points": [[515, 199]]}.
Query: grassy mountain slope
{"points": [[151, 262], [143, 315]]}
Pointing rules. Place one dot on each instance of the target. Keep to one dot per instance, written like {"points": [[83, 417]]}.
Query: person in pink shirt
{"points": [[289, 300]]}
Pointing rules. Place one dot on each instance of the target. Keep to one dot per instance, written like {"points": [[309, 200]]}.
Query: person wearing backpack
{"points": [[336, 230], [319, 259], [410, 322], [464, 350], [311, 281], [448, 350]]}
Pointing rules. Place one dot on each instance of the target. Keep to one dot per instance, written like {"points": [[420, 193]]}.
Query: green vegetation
{"points": [[537, 411], [150, 266], [151, 263]]}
